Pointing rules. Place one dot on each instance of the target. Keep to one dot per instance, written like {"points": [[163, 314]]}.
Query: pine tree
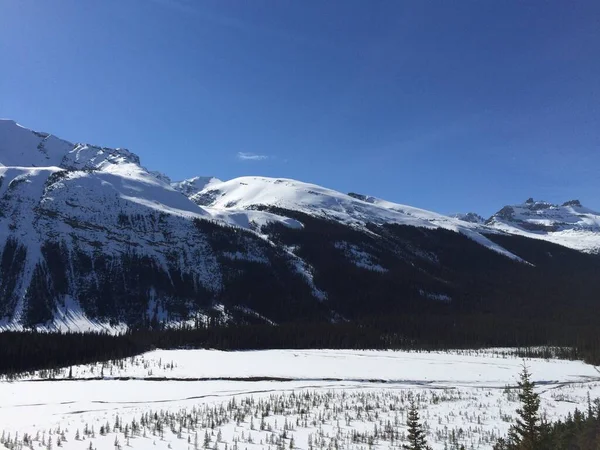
{"points": [[526, 433], [416, 435], [206, 439]]}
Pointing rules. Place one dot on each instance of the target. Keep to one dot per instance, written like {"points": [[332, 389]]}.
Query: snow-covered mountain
{"points": [[356, 210], [91, 238], [82, 210], [569, 224]]}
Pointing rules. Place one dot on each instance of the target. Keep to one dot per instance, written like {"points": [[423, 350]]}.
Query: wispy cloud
{"points": [[244, 156]]}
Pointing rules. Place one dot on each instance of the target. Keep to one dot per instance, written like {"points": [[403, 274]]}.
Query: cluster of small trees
{"points": [[330, 420], [579, 431]]}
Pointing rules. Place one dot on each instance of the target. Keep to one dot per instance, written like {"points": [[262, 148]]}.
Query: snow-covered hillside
{"points": [[79, 209], [570, 225], [89, 236], [249, 192], [355, 210]]}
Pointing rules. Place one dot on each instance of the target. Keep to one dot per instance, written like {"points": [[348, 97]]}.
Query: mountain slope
{"points": [[353, 210], [96, 235], [570, 224], [89, 238]]}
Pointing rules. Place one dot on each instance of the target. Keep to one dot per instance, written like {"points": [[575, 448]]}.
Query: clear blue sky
{"points": [[446, 105]]}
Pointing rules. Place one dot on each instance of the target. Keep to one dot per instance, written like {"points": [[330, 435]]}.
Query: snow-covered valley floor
{"points": [[309, 399]]}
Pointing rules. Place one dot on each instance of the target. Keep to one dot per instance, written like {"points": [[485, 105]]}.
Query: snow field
{"points": [[494, 368], [329, 399]]}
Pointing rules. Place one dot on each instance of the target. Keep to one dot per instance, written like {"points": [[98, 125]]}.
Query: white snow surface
{"points": [[249, 192], [460, 389], [485, 366]]}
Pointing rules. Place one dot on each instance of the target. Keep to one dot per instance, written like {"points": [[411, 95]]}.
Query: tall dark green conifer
{"points": [[416, 434], [526, 433]]}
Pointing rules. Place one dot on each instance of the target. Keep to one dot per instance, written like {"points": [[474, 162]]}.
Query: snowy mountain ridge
{"points": [[569, 224], [542, 216], [90, 237], [241, 194]]}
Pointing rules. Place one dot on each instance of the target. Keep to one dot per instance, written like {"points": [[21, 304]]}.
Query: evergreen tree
{"points": [[578, 431], [526, 433], [416, 434]]}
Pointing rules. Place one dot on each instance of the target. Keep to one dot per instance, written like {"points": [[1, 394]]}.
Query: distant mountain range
{"points": [[90, 239]]}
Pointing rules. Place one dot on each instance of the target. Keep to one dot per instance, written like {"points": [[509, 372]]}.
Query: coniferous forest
{"points": [[25, 351]]}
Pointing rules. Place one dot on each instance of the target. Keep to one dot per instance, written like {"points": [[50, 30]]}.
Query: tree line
{"points": [[30, 350]]}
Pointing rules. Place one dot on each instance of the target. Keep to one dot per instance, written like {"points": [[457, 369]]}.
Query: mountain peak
{"points": [[20, 146], [558, 222], [469, 217]]}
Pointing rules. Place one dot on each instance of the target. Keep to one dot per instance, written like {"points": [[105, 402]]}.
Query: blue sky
{"points": [[445, 105]]}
